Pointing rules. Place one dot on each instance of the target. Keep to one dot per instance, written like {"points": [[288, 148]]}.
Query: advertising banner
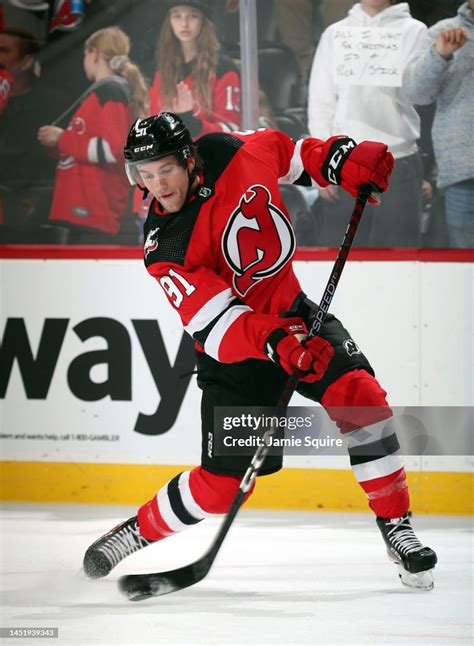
{"points": [[95, 366]]}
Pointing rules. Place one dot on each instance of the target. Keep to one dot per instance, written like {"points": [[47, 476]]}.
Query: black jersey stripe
{"points": [[100, 151], [304, 179]]}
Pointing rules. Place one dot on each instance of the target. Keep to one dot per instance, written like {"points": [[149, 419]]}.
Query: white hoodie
{"points": [[361, 112]]}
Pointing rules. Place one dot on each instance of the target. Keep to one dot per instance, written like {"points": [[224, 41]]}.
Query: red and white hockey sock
{"points": [[378, 467], [185, 500], [357, 403]]}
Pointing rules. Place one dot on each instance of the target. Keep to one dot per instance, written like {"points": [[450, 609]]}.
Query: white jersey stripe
{"points": [[92, 150], [296, 168], [225, 127], [209, 311], [378, 468], [188, 500], [109, 156], [213, 341], [296, 165]]}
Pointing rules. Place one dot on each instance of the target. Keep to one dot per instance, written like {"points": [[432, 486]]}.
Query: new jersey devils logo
{"points": [[351, 347], [258, 240], [151, 242], [78, 125]]}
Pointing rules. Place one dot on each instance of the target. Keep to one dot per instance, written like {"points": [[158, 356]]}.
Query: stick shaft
{"points": [[321, 313]]}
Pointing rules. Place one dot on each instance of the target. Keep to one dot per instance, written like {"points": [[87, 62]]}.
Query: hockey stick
{"points": [[143, 586]]}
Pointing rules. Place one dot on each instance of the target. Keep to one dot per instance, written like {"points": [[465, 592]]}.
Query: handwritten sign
{"points": [[368, 56]]}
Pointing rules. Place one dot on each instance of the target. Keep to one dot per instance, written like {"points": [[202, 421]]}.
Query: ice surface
{"points": [[281, 578]]}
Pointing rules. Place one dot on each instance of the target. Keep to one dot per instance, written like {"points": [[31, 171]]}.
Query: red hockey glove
{"points": [[350, 165], [286, 347]]}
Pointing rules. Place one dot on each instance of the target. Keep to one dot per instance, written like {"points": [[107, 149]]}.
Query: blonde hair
{"points": [[113, 43], [170, 60]]}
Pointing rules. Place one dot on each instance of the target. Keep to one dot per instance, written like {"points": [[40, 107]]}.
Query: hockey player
{"points": [[218, 239]]}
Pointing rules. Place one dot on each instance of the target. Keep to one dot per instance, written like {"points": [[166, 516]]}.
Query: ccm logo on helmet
{"points": [[142, 148]]}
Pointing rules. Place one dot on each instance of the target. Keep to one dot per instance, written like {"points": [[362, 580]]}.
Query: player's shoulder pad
{"points": [[217, 150], [115, 90], [226, 64]]}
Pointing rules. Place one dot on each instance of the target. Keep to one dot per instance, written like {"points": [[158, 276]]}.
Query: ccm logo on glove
{"points": [[338, 152], [350, 165]]}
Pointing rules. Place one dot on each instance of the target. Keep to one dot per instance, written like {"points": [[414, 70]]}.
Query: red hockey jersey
{"points": [[224, 115], [91, 188], [225, 259]]}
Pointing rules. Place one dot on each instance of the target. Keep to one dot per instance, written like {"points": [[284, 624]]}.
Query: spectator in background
{"points": [[299, 24], [444, 73], [26, 175], [30, 15], [193, 78], [377, 113], [91, 194]]}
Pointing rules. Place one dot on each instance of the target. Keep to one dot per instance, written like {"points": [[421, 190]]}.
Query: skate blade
{"points": [[419, 580]]}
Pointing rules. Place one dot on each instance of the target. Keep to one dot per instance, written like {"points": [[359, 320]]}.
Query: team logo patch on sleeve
{"points": [[258, 240], [151, 242], [351, 347]]}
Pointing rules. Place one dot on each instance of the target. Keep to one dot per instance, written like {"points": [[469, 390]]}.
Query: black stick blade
{"points": [[137, 587]]}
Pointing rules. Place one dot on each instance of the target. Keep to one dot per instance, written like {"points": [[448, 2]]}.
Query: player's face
{"points": [[186, 23], [167, 181]]}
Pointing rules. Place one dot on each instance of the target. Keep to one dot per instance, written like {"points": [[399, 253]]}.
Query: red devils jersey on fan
{"points": [[224, 115], [91, 188], [225, 259]]}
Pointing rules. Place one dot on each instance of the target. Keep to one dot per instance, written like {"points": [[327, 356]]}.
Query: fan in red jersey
{"points": [[219, 241], [91, 193], [193, 78]]}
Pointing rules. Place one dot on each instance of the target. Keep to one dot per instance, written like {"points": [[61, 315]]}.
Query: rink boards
{"points": [[95, 407]]}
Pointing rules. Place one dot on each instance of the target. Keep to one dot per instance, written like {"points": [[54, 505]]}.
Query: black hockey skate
{"points": [[415, 562], [103, 555]]}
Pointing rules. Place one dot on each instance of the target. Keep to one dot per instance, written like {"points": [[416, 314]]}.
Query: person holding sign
{"points": [[357, 87], [443, 73]]}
